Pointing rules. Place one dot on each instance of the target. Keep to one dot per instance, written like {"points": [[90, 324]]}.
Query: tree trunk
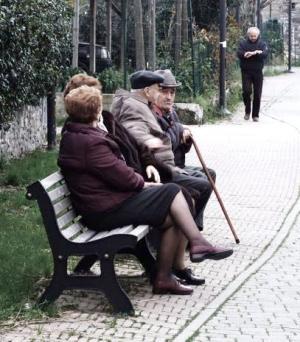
{"points": [[75, 34], [139, 35], [178, 31], [93, 12], [185, 22], [51, 122], [108, 24], [152, 34]]}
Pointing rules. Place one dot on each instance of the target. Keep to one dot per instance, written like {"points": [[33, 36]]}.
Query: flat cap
{"points": [[144, 78]]}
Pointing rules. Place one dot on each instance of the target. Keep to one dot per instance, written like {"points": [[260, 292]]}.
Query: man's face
{"points": [[166, 99], [152, 92], [253, 35]]}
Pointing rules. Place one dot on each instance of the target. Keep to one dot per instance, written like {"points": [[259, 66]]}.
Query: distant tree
{"points": [[139, 35], [177, 45]]}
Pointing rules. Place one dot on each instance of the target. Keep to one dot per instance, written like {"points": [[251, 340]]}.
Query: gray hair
{"points": [[253, 29]]}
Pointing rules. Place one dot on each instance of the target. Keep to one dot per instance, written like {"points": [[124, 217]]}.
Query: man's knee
{"points": [[212, 174]]}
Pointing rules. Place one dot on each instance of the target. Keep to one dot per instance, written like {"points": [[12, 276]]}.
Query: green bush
{"points": [[35, 43], [272, 34], [111, 79]]}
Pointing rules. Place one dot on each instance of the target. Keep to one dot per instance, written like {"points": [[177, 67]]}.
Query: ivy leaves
{"points": [[35, 43]]}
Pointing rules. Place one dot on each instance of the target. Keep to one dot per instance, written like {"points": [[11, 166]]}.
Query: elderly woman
{"points": [[108, 194]]}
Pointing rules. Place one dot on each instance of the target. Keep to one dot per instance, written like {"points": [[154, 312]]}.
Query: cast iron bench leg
{"points": [[57, 284], [112, 289]]}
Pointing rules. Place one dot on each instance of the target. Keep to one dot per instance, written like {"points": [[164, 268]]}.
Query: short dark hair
{"points": [[83, 104]]}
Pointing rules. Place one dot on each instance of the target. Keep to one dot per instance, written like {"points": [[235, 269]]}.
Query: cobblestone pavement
{"points": [[255, 294]]}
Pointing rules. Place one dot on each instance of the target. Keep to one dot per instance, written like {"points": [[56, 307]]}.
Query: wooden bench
{"points": [[69, 237]]}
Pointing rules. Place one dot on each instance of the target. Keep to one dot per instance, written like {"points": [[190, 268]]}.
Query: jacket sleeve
{"points": [[102, 162], [264, 49], [241, 50], [133, 119], [180, 128]]}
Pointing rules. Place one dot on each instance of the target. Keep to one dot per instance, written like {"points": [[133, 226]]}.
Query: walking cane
{"points": [[212, 183]]}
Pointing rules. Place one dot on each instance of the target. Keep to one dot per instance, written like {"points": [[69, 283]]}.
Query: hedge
{"points": [[36, 48]]}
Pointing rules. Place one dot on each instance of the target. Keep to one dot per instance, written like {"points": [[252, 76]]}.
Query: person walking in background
{"points": [[252, 53]]}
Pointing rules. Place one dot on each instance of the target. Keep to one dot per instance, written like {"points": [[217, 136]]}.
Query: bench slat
{"points": [[51, 180], [66, 218], [123, 230], [85, 237], [58, 192], [72, 231], [140, 231], [62, 205]]}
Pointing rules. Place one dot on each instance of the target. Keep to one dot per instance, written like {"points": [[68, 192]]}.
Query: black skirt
{"points": [[149, 206]]}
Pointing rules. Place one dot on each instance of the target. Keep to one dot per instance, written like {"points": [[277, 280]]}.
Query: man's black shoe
{"points": [[188, 277]]}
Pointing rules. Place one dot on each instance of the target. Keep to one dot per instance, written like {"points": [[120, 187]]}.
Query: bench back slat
{"points": [[62, 205], [72, 231], [66, 219], [49, 181], [58, 192]]}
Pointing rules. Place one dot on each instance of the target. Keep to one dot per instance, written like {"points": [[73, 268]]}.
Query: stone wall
{"points": [[26, 133]]}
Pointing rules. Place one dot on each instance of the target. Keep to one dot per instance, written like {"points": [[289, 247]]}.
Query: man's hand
{"points": [[248, 54], [252, 53], [154, 143], [149, 185], [186, 135], [152, 173]]}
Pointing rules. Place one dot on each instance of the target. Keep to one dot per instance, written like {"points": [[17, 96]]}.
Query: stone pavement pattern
{"points": [[267, 305], [258, 177]]}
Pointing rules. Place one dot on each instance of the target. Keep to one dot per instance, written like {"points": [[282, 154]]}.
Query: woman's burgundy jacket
{"points": [[96, 174]]}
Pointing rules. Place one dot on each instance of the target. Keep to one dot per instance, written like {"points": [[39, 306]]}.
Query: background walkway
{"points": [[252, 296]]}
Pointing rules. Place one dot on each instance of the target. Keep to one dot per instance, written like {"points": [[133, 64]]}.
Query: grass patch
{"points": [[24, 249], [271, 70]]}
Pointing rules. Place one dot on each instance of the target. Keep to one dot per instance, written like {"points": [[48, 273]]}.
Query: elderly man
{"points": [[132, 110], [163, 107], [252, 53]]}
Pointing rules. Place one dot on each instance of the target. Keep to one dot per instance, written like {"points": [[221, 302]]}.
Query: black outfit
{"points": [[252, 74], [194, 179], [150, 206]]}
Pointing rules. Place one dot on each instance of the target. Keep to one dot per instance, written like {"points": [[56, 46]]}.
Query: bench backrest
{"points": [[58, 213]]}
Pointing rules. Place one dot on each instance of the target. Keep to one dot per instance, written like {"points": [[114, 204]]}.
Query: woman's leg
{"points": [[179, 263], [183, 220], [164, 280], [200, 248]]}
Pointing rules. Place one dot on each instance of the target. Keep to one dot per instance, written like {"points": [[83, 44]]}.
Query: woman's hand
{"points": [[152, 173]]}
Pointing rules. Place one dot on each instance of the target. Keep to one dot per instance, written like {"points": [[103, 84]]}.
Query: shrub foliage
{"points": [[35, 44]]}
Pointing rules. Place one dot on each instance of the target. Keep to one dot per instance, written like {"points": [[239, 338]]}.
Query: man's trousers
{"points": [[252, 81]]}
